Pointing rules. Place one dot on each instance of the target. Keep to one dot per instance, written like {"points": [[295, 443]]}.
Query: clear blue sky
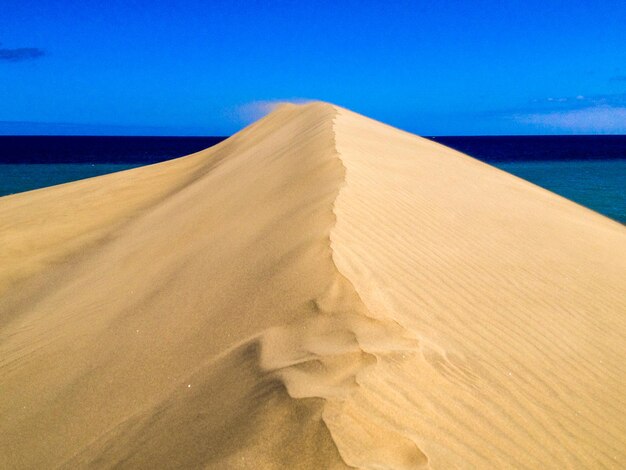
{"points": [[208, 67]]}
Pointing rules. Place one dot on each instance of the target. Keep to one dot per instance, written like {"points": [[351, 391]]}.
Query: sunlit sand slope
{"points": [[515, 296], [318, 291]]}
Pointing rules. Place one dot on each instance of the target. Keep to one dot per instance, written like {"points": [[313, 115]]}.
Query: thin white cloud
{"points": [[250, 112], [597, 119]]}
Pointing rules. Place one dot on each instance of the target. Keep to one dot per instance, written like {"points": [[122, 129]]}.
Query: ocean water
{"points": [[590, 170], [19, 177], [99, 149], [598, 184]]}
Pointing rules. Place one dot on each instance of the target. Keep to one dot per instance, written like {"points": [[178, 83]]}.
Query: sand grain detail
{"points": [[318, 291]]}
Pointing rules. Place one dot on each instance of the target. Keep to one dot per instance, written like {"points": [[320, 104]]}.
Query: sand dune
{"points": [[318, 291]]}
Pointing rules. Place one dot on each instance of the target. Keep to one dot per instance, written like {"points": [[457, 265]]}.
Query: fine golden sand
{"points": [[318, 291]]}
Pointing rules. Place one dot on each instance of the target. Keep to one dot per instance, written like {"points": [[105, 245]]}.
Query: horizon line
{"points": [[183, 136]]}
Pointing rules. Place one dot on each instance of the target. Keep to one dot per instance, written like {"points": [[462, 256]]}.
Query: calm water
{"points": [[15, 178], [597, 184], [590, 170], [87, 149]]}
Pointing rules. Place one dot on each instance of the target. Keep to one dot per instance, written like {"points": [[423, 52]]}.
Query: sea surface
{"points": [[590, 170]]}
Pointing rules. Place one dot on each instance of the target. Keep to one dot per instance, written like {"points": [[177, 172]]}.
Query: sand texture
{"points": [[318, 291]]}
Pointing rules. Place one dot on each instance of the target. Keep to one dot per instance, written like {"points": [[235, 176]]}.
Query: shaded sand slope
{"points": [[160, 278], [318, 291]]}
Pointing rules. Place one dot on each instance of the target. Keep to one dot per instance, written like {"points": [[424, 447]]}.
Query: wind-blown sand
{"points": [[318, 291]]}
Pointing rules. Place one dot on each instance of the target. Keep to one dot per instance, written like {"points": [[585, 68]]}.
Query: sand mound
{"points": [[318, 291]]}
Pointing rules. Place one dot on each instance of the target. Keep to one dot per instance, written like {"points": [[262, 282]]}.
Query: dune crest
{"points": [[318, 291]]}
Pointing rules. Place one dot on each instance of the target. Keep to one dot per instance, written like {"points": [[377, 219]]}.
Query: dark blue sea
{"points": [[590, 170]]}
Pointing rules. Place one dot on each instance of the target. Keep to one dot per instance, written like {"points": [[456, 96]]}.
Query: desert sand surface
{"points": [[318, 291]]}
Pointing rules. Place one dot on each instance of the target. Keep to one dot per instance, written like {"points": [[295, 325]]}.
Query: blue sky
{"points": [[210, 67]]}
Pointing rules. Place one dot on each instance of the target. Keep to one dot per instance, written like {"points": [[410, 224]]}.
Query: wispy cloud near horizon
{"points": [[20, 54], [254, 110], [601, 119]]}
